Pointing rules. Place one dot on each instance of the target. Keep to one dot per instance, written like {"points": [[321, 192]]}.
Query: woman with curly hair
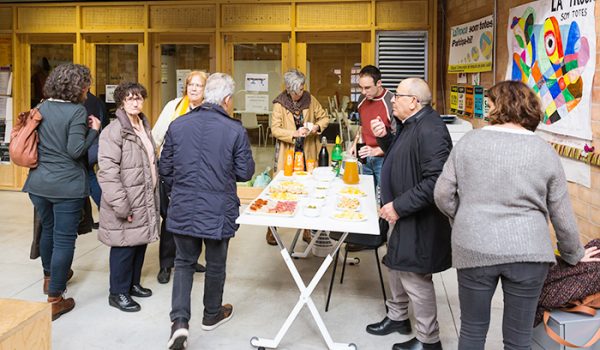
{"points": [[58, 186], [500, 186], [129, 217]]}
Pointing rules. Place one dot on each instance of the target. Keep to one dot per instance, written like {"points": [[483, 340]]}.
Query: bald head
{"points": [[417, 87], [412, 95]]}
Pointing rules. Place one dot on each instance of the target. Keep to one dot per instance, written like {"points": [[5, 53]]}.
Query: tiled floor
{"points": [[258, 285]]}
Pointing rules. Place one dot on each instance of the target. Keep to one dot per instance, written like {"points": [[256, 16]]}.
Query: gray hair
{"points": [[294, 79], [420, 89], [218, 87]]}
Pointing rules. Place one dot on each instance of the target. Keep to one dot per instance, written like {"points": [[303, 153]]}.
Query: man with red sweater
{"points": [[376, 102]]}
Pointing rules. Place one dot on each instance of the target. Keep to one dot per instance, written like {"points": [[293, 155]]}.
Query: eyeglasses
{"points": [[197, 86], [137, 99], [406, 95]]}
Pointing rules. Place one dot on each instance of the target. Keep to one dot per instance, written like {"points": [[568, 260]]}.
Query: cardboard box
{"points": [[248, 194], [575, 328]]}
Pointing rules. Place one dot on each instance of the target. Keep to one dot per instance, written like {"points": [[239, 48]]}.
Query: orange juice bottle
{"points": [[299, 161], [310, 165], [288, 167]]}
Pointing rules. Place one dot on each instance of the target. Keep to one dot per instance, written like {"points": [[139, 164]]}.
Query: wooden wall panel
{"points": [[402, 13], [333, 15], [6, 19], [112, 18], [251, 16], [46, 19], [170, 17]]}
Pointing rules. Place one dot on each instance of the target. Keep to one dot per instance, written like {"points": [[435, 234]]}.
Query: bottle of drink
{"points": [[288, 167], [359, 144], [324, 153], [336, 156]]}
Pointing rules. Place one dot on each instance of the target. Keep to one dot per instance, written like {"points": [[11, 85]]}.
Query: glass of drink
{"points": [[351, 171]]}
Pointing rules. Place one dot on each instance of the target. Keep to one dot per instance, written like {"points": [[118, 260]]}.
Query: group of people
{"points": [[485, 213]]}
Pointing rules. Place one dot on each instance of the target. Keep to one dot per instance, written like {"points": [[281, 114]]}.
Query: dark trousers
{"points": [[188, 251], [166, 245], [126, 267], [59, 219], [95, 190], [521, 283]]}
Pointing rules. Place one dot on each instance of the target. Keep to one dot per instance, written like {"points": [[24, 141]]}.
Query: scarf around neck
{"points": [[295, 108], [182, 108]]}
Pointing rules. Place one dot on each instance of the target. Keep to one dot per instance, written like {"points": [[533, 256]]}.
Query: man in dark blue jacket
{"points": [[204, 154]]}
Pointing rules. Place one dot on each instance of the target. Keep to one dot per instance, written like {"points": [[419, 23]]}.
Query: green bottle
{"points": [[336, 156]]}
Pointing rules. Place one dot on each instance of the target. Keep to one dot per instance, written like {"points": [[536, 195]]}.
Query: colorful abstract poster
{"points": [[479, 102], [453, 99], [471, 46], [553, 46]]}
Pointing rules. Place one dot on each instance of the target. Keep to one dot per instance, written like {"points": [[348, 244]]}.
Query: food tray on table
{"points": [[272, 207], [348, 203], [292, 187], [351, 191], [349, 215]]}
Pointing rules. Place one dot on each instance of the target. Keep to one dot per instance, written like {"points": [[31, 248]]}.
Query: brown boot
{"points": [[270, 238], [306, 236], [60, 306], [47, 280]]}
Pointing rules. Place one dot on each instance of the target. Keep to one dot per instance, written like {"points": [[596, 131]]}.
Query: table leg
{"points": [[306, 251], [304, 299]]}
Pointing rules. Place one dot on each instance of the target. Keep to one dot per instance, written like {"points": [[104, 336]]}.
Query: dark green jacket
{"points": [[64, 140]]}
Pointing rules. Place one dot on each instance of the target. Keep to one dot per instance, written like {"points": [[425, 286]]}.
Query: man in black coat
{"points": [[419, 241], [204, 154]]}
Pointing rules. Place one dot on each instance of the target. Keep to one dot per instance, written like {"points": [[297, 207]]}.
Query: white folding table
{"points": [[324, 222]]}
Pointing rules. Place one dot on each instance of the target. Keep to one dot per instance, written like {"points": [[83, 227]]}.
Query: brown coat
{"points": [[283, 126], [126, 180]]}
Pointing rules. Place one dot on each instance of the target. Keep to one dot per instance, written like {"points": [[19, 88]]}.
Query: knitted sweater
{"points": [[500, 186]]}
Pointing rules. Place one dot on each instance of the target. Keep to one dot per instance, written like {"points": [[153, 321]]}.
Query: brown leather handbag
{"points": [[23, 147]]}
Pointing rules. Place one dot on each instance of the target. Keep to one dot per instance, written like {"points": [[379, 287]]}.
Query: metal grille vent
{"points": [[401, 55]]}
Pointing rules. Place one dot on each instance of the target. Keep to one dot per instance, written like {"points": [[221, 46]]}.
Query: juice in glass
{"points": [[351, 171], [288, 167]]}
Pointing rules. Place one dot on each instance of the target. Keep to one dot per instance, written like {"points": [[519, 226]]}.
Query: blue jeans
{"points": [[60, 219], [188, 250], [95, 190], [521, 283], [372, 166]]}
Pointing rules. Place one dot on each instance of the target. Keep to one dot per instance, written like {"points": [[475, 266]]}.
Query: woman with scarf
{"points": [[193, 95], [294, 111]]}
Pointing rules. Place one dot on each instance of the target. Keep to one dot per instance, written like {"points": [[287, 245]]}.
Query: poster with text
{"points": [[471, 46], [257, 82], [552, 48]]}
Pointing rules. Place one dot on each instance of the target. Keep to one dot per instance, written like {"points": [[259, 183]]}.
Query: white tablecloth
{"points": [[368, 206]]}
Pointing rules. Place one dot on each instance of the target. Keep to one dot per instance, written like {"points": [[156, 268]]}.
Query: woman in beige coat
{"points": [[297, 121], [129, 215]]}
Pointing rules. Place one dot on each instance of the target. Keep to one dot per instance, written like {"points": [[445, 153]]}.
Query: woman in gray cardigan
{"points": [[129, 217], [58, 185], [499, 187]]}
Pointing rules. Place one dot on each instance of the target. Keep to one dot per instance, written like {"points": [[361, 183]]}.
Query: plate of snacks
{"points": [[347, 203], [352, 191], [284, 196], [292, 187], [312, 209], [301, 175], [261, 206], [349, 215], [322, 186]]}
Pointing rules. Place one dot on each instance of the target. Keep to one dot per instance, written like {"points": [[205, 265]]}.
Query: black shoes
{"points": [[388, 326], [123, 302], [415, 344], [164, 275], [96, 225], [179, 335], [200, 268], [225, 314], [139, 291]]}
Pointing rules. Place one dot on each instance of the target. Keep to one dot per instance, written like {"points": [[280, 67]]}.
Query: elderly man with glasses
{"points": [[419, 238], [204, 154]]}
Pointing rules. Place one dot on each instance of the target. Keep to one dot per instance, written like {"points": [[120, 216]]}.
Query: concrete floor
{"points": [[258, 285]]}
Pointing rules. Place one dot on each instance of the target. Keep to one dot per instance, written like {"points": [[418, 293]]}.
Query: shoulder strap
{"points": [[564, 342]]}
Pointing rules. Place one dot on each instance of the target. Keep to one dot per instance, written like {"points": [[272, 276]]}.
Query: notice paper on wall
{"points": [[257, 82], [181, 74], [257, 103], [110, 93], [5, 81], [471, 46]]}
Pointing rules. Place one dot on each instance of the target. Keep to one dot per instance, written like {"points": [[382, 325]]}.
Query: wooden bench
{"points": [[25, 325]]}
